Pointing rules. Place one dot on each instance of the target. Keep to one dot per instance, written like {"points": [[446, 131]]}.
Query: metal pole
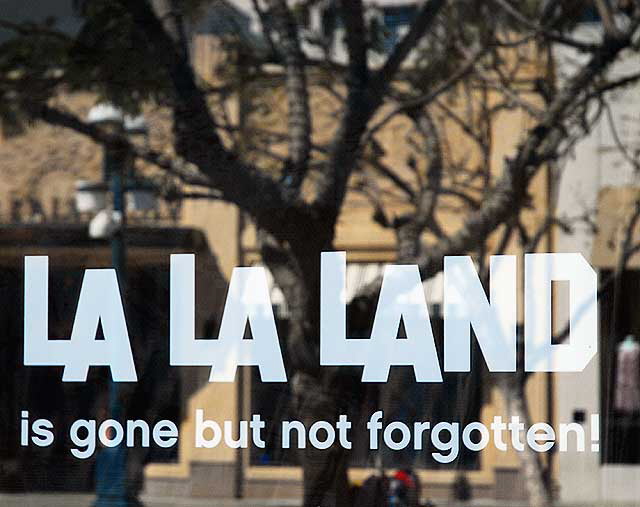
{"points": [[118, 262], [240, 384], [243, 109], [111, 463]]}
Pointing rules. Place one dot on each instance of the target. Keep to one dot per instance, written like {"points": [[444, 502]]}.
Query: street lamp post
{"points": [[112, 488]]}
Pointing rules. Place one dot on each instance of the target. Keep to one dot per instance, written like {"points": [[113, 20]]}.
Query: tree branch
{"points": [[429, 194], [607, 17], [420, 25], [353, 14], [197, 141], [184, 171], [508, 196], [299, 115], [538, 30], [430, 96], [362, 103]]}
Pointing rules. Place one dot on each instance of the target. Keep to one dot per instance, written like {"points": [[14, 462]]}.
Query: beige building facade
{"points": [[44, 164], [225, 472]]}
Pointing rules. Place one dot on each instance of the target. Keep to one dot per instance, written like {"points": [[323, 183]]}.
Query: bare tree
{"points": [[475, 48]]}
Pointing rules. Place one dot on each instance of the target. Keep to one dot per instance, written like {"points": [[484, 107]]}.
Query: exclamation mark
{"points": [[595, 432]]}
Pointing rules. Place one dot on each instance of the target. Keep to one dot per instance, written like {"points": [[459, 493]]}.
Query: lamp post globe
{"points": [[105, 113], [136, 125]]}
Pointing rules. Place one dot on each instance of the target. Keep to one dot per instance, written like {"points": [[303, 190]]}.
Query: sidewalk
{"points": [[79, 500]]}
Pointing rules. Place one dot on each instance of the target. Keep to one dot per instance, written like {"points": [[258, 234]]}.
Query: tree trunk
{"points": [[324, 470], [318, 393], [537, 487]]}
